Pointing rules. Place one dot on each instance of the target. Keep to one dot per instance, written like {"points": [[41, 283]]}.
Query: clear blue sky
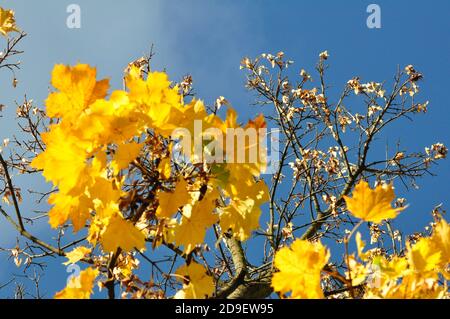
{"points": [[208, 39]]}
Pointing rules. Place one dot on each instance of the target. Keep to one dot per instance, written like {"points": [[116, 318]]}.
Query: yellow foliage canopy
{"points": [[90, 148]]}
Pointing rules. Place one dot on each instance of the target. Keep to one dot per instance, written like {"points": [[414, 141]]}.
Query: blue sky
{"points": [[208, 39]]}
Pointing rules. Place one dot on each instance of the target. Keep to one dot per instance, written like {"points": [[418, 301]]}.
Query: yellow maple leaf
{"points": [[372, 205], [109, 121], [241, 182], [76, 208], [121, 233], [76, 255], [243, 213], [196, 219], [78, 88], [360, 244], [162, 105], [258, 123], [126, 263], [358, 271], [300, 269], [170, 202], [105, 191], [412, 286], [197, 284], [63, 161], [79, 287], [7, 21], [241, 217], [125, 154], [423, 256], [164, 168], [441, 239], [95, 229], [231, 119], [195, 110], [96, 126], [391, 269]]}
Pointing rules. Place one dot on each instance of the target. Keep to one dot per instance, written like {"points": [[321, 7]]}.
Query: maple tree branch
{"points": [[30, 236], [323, 216], [10, 51], [343, 289], [240, 267], [13, 193], [110, 282], [258, 288]]}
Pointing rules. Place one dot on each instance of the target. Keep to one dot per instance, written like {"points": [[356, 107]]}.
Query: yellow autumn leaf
{"points": [[423, 256], [372, 205], [241, 217], [108, 121], [260, 165], [161, 105], [125, 154], [391, 269], [126, 263], [75, 208], [411, 286], [360, 244], [121, 233], [164, 168], [197, 284], [78, 88], [170, 202], [196, 219], [105, 191], [76, 255], [441, 239], [63, 161], [7, 21], [300, 269], [241, 182], [191, 112], [243, 213], [79, 287], [358, 271]]}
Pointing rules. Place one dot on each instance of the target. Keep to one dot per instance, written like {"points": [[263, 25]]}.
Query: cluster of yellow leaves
{"points": [[421, 271], [237, 183], [7, 21], [414, 274], [75, 158], [93, 140]]}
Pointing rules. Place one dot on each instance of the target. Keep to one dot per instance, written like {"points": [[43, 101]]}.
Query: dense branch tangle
{"points": [[319, 165]]}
